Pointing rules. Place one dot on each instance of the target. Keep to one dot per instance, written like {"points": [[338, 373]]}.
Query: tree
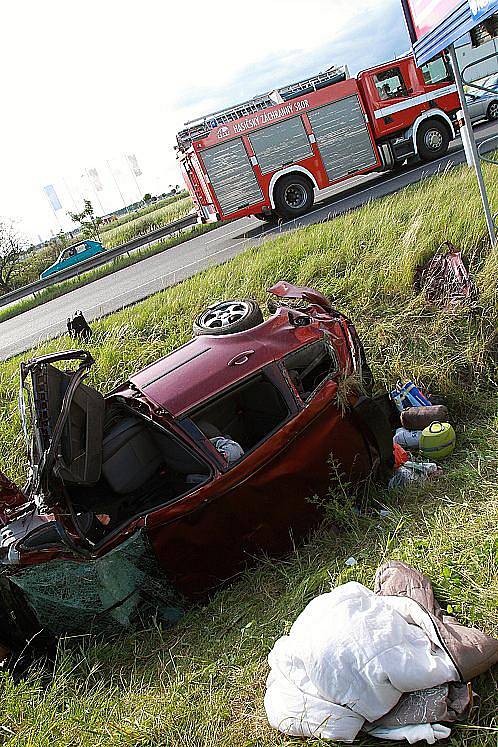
{"points": [[89, 222], [13, 246], [147, 197]]}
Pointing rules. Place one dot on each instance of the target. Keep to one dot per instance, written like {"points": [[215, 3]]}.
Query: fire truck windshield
{"points": [[437, 71]]}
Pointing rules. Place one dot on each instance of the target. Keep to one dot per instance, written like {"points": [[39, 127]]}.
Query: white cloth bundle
{"points": [[347, 660]]}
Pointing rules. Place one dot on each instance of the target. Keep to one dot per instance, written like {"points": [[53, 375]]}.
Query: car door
{"points": [[250, 503], [391, 98], [84, 251]]}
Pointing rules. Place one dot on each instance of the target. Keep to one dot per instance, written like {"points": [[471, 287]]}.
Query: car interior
{"points": [[112, 461], [309, 366], [247, 414], [116, 464]]}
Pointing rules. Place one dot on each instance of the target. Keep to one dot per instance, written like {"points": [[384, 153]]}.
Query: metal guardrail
{"points": [[99, 259]]}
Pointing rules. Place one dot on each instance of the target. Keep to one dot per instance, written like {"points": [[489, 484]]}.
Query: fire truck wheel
{"points": [[492, 112], [228, 317], [293, 195], [433, 139]]}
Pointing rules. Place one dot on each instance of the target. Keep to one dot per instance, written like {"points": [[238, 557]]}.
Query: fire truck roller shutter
{"points": [[342, 137], [281, 144], [232, 177]]}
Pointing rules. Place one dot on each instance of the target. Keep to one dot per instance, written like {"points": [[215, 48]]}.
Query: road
{"points": [[155, 273]]}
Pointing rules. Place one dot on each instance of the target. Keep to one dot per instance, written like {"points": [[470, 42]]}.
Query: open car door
{"points": [[63, 426]]}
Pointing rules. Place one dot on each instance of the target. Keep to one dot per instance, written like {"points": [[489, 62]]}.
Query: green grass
{"points": [[202, 683], [113, 235], [145, 210]]}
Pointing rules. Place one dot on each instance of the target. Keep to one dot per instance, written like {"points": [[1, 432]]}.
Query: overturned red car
{"points": [[155, 493]]}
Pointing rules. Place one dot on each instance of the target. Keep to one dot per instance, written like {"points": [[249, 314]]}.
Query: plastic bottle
{"points": [[408, 439]]}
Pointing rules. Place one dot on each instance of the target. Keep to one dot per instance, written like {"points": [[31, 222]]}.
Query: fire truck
{"points": [[268, 156]]}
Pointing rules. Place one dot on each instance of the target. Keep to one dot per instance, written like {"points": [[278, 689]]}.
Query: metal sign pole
{"points": [[473, 145]]}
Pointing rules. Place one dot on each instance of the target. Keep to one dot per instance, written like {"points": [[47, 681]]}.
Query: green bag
{"points": [[437, 440]]}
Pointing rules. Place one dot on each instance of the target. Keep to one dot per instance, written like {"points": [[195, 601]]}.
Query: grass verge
{"points": [[146, 210], [113, 235], [202, 683]]}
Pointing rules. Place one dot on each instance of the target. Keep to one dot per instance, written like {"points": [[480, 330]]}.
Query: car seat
{"points": [[130, 456]]}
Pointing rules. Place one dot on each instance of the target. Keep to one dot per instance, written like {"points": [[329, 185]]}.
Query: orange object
{"points": [[400, 456]]}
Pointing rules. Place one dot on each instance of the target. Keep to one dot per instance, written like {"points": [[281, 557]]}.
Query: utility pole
{"points": [[473, 146]]}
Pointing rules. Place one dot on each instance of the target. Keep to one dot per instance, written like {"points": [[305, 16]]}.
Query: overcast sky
{"points": [[85, 82]]}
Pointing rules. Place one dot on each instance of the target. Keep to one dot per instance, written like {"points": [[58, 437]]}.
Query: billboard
{"points": [[133, 163], [427, 14], [434, 25], [53, 197]]}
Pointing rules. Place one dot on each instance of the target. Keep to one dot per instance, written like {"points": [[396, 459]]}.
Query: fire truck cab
{"points": [[268, 156]]}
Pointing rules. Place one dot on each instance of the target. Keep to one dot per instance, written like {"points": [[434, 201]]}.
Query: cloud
{"points": [[375, 37]]}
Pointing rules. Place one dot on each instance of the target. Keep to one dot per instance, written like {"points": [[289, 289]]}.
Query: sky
{"points": [[86, 83]]}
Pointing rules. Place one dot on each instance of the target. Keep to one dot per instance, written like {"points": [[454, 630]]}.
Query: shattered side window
{"points": [[310, 366], [100, 594]]}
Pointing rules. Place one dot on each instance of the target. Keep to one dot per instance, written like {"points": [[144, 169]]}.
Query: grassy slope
{"points": [[113, 235], [202, 683], [152, 208]]}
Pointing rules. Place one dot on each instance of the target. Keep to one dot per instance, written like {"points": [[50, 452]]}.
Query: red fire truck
{"points": [[267, 156]]}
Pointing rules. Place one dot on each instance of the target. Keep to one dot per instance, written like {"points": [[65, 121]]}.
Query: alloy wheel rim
{"points": [[224, 315], [295, 196], [493, 111], [433, 139]]}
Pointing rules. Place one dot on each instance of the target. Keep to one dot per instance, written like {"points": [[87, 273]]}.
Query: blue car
{"points": [[74, 254]]}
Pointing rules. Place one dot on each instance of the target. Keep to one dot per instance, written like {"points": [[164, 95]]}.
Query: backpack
{"points": [[77, 326]]}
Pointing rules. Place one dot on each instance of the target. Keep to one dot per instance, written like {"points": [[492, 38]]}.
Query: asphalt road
{"points": [[153, 274]]}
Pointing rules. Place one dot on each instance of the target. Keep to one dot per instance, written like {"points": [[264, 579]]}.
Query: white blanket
{"points": [[346, 662]]}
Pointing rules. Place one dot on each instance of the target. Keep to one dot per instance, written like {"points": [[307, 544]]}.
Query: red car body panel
{"points": [[262, 503]]}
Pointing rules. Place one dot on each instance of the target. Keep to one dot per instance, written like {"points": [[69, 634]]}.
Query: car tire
{"points": [[228, 318], [294, 196], [433, 140], [492, 113]]}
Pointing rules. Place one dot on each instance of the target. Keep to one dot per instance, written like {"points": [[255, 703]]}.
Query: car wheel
{"points": [[227, 318], [433, 140], [492, 112], [293, 195]]}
